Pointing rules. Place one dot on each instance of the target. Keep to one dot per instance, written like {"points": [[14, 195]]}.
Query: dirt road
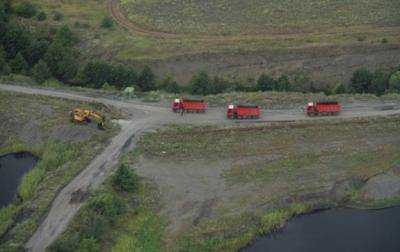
{"points": [[144, 117]]}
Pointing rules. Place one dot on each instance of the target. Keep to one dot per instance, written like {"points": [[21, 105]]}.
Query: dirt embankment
{"points": [[325, 64]]}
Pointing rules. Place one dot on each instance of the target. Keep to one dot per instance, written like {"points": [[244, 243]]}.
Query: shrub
{"points": [[284, 83], [266, 83], [89, 245], [125, 179], [65, 36], [108, 87], [303, 83], [62, 61], [26, 10], [147, 79], [201, 84], [394, 82], [41, 16], [30, 182], [274, 220], [41, 72], [106, 204], [361, 80], [340, 88], [384, 41], [379, 82], [19, 64], [57, 16], [170, 85], [107, 22]]}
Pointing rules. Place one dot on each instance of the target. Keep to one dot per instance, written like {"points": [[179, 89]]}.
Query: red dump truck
{"points": [[189, 106], [321, 108], [243, 112]]}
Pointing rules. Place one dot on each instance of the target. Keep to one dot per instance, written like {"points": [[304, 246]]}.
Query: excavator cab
{"points": [[79, 115]]}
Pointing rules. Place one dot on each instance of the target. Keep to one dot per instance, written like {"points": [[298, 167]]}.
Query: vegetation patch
{"points": [[42, 126], [120, 216]]}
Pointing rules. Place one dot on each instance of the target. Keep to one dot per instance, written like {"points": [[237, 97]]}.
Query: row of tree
{"points": [[52, 53]]}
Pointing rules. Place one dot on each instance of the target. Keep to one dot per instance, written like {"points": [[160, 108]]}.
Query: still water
{"points": [[13, 166], [337, 231]]}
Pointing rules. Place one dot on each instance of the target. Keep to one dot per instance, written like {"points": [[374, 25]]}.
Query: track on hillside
{"points": [[119, 17], [144, 117]]}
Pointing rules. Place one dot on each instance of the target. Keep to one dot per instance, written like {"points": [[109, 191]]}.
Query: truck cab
{"points": [[176, 105]]}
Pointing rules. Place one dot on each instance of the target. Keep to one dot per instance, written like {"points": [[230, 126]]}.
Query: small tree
{"points": [[283, 83], [266, 83], [41, 72], [41, 16], [303, 83], [379, 82], [62, 61], [201, 84], [26, 10], [340, 88], [107, 22], [147, 79], [65, 36], [125, 179], [19, 65], [394, 82], [361, 81], [170, 85], [57, 16]]}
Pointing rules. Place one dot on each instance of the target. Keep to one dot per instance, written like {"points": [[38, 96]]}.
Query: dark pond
{"points": [[337, 231], [13, 166]]}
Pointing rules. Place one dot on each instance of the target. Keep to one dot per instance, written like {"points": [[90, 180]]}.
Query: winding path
{"points": [[145, 117]]}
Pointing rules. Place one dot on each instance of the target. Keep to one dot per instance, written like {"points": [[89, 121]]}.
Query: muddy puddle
{"points": [[336, 230], [13, 167]]}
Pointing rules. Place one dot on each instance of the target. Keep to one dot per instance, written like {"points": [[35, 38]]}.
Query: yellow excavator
{"points": [[79, 115]]}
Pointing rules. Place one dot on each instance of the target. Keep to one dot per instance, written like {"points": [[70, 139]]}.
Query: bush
{"points": [[107, 205], [57, 16], [41, 16], [107, 22], [41, 72], [125, 179], [62, 61], [266, 83], [284, 83], [19, 64], [394, 82], [108, 87], [361, 81], [65, 36], [26, 10], [201, 84], [384, 41], [340, 88], [169, 85], [147, 80]]}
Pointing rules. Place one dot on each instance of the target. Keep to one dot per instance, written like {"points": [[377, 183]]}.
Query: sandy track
{"points": [[144, 117]]}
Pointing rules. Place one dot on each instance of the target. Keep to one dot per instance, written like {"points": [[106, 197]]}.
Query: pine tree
{"points": [[41, 72], [147, 80], [19, 64]]}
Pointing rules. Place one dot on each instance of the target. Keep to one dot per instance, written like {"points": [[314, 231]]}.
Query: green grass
{"points": [[136, 228], [298, 163], [255, 17], [41, 126]]}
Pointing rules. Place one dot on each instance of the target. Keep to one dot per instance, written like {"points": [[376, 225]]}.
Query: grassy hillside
{"points": [[222, 17], [41, 125], [326, 39]]}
